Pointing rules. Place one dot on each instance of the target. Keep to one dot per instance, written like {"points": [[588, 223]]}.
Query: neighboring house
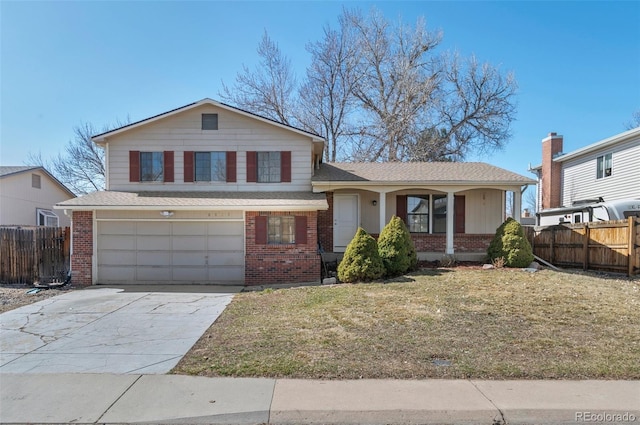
{"points": [[208, 193], [608, 169], [27, 197]]}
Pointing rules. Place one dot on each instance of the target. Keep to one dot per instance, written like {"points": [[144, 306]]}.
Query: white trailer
{"points": [[590, 210]]}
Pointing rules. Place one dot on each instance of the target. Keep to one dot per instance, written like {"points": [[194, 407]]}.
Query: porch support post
{"points": [[517, 205], [382, 203], [450, 220]]}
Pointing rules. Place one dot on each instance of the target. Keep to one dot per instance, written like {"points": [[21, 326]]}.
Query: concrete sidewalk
{"points": [[103, 398]]}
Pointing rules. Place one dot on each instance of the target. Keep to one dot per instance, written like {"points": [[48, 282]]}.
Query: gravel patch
{"points": [[14, 296]]}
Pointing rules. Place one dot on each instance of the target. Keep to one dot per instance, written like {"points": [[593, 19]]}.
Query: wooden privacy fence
{"points": [[605, 245], [31, 254]]}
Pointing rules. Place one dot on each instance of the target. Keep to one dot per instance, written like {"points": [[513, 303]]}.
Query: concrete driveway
{"points": [[140, 330]]}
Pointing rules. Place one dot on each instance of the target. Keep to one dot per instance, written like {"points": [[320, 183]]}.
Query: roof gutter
{"points": [[191, 208]]}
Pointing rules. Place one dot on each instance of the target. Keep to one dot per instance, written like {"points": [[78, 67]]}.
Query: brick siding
{"points": [[462, 242], [325, 225], [551, 172], [281, 263], [81, 258]]}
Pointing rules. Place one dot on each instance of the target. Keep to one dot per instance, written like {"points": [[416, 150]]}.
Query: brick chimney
{"points": [[551, 172]]}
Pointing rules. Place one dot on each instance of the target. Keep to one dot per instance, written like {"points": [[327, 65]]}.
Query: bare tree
{"points": [[326, 100], [473, 109], [634, 122], [269, 89], [80, 166], [397, 78], [530, 199], [380, 89]]}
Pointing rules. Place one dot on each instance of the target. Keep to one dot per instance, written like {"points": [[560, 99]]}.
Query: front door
{"points": [[345, 220]]}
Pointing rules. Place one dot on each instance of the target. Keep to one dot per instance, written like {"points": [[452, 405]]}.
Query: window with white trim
{"points": [[605, 166], [418, 213], [427, 213], [46, 218]]}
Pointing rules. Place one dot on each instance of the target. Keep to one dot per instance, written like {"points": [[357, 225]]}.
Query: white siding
{"points": [[19, 200], [579, 175], [236, 132]]}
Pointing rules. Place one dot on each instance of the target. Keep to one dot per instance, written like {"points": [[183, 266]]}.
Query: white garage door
{"points": [[171, 252]]}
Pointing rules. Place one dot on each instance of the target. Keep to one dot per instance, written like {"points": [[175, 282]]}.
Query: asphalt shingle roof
{"points": [[393, 172], [199, 199], [6, 170]]}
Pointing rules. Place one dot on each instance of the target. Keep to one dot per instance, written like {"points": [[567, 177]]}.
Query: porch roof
{"points": [[261, 201], [417, 172]]}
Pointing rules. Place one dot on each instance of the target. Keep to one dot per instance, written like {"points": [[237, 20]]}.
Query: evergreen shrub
{"points": [[361, 261], [396, 248], [511, 244]]}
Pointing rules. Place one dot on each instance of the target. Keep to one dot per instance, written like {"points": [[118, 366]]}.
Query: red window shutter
{"points": [[231, 167], [134, 166], [188, 166], [168, 166], [401, 207], [458, 211], [261, 230], [285, 166], [301, 230], [252, 167]]}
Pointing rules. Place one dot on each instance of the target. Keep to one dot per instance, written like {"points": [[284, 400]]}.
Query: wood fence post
{"points": [[552, 254], [585, 245], [631, 257]]}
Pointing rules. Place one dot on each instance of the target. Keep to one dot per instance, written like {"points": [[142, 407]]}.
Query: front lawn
{"points": [[442, 323]]}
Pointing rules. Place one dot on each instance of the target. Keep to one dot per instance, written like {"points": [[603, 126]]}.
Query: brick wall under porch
{"points": [[467, 247]]}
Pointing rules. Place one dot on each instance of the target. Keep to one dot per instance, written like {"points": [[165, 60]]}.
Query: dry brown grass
{"points": [[490, 324]]}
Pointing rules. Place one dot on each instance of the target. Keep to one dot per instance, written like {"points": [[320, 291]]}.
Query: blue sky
{"points": [[65, 63]]}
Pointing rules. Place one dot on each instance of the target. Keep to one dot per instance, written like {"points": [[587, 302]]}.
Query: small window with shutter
{"points": [[285, 229]]}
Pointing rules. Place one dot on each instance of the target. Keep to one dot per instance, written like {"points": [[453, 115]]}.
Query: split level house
{"points": [[208, 193], [27, 196]]}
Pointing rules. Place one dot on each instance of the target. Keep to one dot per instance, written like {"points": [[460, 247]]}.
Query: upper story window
{"points": [[35, 181], [46, 218], [269, 166], [151, 166], [281, 230], [210, 166], [605, 165], [209, 121]]}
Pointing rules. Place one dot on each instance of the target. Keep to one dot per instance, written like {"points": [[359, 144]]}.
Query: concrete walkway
{"points": [[109, 330], [104, 398]]}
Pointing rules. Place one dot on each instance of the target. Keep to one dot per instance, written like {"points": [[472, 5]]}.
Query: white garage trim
{"points": [[171, 219]]}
